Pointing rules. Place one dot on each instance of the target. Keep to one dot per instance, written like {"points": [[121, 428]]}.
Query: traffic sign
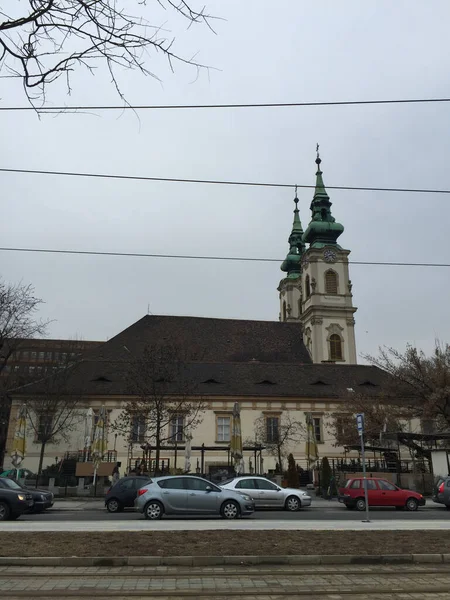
{"points": [[360, 423]]}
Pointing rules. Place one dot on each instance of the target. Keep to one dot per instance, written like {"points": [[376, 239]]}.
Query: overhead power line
{"points": [[200, 257], [136, 107], [222, 182]]}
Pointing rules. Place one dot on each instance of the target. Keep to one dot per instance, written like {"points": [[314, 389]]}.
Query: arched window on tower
{"points": [[335, 347], [307, 287], [331, 282], [284, 311]]}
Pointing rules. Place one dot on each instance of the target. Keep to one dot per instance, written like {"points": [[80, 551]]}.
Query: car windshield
{"points": [[12, 484]]}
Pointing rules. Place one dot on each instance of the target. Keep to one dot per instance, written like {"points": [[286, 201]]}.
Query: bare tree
{"points": [[164, 403], [418, 382], [278, 434], [18, 307], [380, 415], [18, 322], [42, 40], [55, 404]]}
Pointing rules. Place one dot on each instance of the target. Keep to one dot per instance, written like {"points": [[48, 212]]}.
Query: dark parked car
{"points": [[123, 493], [14, 503], [42, 499], [441, 491]]}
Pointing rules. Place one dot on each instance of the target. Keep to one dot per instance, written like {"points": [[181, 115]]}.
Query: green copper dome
{"points": [[323, 229], [292, 263]]}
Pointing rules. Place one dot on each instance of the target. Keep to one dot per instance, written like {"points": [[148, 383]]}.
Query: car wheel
{"points": [[153, 510], [230, 510], [411, 504], [4, 511], [113, 506], [292, 504], [360, 504]]}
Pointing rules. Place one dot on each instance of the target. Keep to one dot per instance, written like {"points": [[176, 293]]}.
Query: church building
{"points": [[301, 367]]}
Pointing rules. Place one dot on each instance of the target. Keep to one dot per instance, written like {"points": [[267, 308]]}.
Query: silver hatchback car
{"points": [[267, 494], [188, 495]]}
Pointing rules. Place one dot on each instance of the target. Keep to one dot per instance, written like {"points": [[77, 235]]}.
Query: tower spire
{"points": [[323, 229], [292, 263]]}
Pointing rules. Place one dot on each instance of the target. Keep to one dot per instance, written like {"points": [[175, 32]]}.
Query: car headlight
{"points": [[21, 496]]}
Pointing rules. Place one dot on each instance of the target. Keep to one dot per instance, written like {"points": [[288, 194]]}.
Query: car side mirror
{"points": [[208, 488]]}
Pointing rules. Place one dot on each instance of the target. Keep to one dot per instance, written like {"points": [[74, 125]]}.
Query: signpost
{"points": [[360, 427]]}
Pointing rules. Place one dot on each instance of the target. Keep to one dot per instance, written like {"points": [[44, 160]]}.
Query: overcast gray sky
{"points": [[288, 51]]}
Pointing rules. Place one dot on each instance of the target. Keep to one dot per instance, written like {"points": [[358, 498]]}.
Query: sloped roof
{"points": [[209, 340], [224, 357], [238, 379]]}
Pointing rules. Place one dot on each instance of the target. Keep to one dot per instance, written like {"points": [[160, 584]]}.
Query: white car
{"points": [[267, 494]]}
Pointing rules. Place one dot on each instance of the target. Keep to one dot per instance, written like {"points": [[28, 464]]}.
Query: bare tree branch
{"points": [[52, 38]]}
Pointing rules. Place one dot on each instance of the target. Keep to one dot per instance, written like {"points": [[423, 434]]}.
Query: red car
{"points": [[380, 492]]}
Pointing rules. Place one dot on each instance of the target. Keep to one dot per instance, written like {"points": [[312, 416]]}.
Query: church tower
{"points": [[290, 287], [326, 310]]}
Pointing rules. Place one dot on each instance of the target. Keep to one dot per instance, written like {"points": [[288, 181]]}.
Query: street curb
{"points": [[207, 561]]}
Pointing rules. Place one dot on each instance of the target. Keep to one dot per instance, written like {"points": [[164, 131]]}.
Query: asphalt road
{"points": [[335, 513]]}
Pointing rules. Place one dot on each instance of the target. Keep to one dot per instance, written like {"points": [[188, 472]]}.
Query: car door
{"points": [[249, 487], [126, 491], [270, 495], [202, 496], [174, 493], [373, 492], [389, 494]]}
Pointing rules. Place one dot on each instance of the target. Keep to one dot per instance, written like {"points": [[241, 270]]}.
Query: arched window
{"points": [[307, 287], [331, 282], [284, 310], [335, 347]]}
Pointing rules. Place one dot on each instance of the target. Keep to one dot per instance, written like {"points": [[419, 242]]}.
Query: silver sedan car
{"points": [[188, 495], [267, 494]]}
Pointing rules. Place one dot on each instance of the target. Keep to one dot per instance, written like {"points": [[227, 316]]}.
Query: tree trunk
{"points": [[158, 448], [41, 460], [279, 460]]}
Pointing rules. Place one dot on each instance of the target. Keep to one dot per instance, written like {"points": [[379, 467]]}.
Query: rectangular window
{"points": [[177, 428], [223, 429], [31, 369], [33, 355], [48, 356], [41, 355], [137, 428], [45, 425], [272, 429], [56, 355], [317, 424]]}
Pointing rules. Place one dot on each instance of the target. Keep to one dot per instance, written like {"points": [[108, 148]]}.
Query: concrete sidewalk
{"points": [[218, 524]]}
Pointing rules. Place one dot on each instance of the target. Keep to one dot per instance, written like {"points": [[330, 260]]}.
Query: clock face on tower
{"points": [[329, 256]]}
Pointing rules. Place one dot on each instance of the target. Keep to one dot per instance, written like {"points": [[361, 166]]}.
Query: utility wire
{"points": [[219, 182], [194, 257], [214, 106]]}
